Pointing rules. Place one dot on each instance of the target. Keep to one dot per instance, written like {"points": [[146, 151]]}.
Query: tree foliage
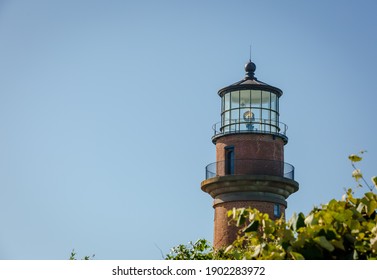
{"points": [[340, 229], [344, 229], [72, 257], [200, 250]]}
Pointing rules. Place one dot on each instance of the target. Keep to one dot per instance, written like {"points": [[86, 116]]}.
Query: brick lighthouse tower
{"points": [[249, 170]]}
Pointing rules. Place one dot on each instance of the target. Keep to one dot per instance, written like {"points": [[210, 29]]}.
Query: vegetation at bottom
{"points": [[344, 229], [72, 257]]}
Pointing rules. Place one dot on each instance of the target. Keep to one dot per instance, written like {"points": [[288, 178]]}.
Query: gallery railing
{"points": [[264, 126], [250, 167]]}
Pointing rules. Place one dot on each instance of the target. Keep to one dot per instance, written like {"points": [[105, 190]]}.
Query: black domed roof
{"points": [[250, 82]]}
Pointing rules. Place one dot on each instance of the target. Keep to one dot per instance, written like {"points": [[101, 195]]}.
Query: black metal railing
{"points": [[250, 167], [255, 126]]}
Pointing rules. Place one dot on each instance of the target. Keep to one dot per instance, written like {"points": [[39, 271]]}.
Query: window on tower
{"points": [[277, 212], [229, 160]]}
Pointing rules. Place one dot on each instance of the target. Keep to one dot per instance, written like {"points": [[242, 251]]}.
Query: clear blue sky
{"points": [[106, 110]]}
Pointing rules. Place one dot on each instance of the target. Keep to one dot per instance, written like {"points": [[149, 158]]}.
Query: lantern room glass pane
{"points": [[274, 104], [225, 121], [266, 99], [256, 98], [273, 116], [226, 118], [234, 115], [266, 115], [274, 122], [245, 99], [277, 105], [235, 99], [227, 101]]}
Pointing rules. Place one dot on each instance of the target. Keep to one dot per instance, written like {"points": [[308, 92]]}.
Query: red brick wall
{"points": [[253, 153], [256, 146]]}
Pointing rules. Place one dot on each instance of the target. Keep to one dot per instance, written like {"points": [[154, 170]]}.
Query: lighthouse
{"points": [[249, 170]]}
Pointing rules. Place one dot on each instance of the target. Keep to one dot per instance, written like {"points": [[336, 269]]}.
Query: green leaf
{"points": [[297, 256], [370, 196], [324, 243], [327, 217], [338, 244], [371, 207], [354, 226], [354, 158]]}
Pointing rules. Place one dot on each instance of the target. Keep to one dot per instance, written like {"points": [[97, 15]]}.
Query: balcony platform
{"points": [[270, 188]]}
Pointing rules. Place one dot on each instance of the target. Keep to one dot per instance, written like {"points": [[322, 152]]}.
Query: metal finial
{"points": [[250, 68]]}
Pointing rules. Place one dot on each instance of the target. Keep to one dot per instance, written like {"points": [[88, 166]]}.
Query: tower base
{"points": [[268, 194]]}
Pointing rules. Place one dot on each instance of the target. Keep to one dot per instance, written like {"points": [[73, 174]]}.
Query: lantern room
{"points": [[250, 106]]}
